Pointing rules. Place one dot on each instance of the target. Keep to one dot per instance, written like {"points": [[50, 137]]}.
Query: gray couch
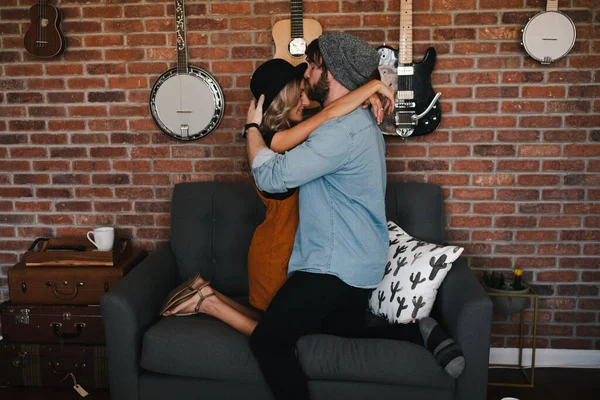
{"points": [[199, 357]]}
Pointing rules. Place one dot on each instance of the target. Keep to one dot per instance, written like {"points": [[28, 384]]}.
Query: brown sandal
{"points": [[181, 292], [202, 298]]}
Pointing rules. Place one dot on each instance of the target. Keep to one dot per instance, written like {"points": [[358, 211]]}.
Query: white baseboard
{"points": [[557, 358]]}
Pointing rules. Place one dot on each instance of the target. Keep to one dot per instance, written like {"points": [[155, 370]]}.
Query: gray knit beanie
{"points": [[350, 60]]}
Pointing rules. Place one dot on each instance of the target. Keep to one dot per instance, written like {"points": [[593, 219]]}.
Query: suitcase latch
{"points": [[24, 317], [19, 360]]}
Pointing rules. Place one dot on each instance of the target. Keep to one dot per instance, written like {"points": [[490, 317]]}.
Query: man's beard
{"points": [[318, 92]]}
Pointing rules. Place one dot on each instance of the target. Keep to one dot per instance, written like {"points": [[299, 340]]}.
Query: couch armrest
{"points": [[464, 309], [128, 309]]}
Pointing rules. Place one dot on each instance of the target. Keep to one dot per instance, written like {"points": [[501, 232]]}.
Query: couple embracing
{"points": [[323, 245]]}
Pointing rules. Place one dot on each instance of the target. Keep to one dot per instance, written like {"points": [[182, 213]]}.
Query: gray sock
{"points": [[443, 348]]}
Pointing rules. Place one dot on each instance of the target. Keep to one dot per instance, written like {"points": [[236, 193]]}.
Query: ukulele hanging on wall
{"points": [[44, 38]]}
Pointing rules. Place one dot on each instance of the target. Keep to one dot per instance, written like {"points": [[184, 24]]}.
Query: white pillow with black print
{"points": [[414, 272]]}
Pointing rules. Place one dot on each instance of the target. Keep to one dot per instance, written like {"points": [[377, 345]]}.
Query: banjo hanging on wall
{"points": [[550, 35], [186, 102]]}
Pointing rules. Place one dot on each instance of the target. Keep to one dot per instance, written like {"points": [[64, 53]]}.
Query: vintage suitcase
{"points": [[52, 365], [52, 324], [67, 285]]}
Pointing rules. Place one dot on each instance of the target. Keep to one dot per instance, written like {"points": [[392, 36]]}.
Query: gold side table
{"points": [[528, 378]]}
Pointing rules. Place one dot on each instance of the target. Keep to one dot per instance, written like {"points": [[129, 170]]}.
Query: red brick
{"points": [[518, 165], [463, 221], [515, 222], [593, 331], [473, 194], [590, 304], [543, 91], [571, 344], [522, 107], [494, 150], [579, 263], [473, 165]]}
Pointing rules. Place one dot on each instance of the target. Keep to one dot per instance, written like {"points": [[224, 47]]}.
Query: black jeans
{"points": [[311, 303]]}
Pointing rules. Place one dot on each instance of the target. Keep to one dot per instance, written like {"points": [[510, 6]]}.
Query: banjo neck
{"points": [[552, 5], [405, 47], [182, 61]]}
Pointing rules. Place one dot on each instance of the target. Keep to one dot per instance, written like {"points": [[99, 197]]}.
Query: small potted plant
{"points": [[495, 283]]}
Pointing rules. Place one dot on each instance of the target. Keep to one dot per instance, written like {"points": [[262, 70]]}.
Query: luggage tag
{"points": [[81, 391]]}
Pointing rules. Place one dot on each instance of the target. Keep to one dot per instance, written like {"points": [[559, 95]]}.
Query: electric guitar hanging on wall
{"points": [[186, 102], [43, 37], [291, 36], [417, 110]]}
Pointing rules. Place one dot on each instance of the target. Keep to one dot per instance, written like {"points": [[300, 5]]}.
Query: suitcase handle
{"points": [[55, 364], [67, 335], [65, 296]]}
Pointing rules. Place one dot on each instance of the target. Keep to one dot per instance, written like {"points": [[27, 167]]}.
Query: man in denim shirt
{"points": [[341, 243]]}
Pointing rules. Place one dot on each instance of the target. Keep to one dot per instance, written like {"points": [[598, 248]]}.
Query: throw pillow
{"points": [[414, 272]]}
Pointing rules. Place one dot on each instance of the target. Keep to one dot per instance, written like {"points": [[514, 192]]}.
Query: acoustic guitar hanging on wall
{"points": [[291, 36], [43, 37]]}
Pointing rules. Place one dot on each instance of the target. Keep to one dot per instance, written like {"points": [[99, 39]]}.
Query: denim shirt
{"points": [[342, 174]]}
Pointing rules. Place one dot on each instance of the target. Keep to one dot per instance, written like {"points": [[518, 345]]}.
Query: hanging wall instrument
{"points": [[186, 102]]}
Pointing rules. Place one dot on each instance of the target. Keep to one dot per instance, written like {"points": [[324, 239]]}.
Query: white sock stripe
{"points": [[442, 345]]}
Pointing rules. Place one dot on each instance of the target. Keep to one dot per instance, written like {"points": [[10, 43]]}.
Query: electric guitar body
{"points": [[417, 110], [419, 82], [44, 38]]}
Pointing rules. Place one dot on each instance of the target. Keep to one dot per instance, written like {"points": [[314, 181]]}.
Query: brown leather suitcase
{"points": [[52, 324], [52, 365], [67, 285]]}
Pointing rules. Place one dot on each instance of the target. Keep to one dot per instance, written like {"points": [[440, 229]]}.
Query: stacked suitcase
{"points": [[52, 328]]}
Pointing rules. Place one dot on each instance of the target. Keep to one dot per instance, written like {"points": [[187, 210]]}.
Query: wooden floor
{"points": [[550, 384]]}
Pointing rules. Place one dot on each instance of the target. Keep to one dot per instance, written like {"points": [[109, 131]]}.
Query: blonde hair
{"points": [[276, 117]]}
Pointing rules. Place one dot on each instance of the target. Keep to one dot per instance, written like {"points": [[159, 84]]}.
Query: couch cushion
{"points": [[327, 357], [200, 346]]}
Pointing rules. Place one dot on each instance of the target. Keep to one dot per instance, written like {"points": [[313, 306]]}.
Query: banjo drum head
{"points": [[549, 36], [186, 106]]}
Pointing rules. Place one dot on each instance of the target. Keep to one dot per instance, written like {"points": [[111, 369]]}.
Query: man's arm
{"points": [[325, 151]]}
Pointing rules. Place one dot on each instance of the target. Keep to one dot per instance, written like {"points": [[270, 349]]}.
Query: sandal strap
{"points": [[202, 296]]}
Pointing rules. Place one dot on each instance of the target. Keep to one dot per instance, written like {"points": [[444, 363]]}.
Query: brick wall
{"points": [[517, 151]]}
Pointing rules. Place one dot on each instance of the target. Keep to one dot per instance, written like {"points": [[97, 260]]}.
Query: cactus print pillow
{"points": [[414, 272]]}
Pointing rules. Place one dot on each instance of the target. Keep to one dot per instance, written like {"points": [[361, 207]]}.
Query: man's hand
{"points": [[255, 111]]}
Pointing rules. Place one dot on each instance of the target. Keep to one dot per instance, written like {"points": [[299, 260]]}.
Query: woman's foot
{"points": [[198, 303]]}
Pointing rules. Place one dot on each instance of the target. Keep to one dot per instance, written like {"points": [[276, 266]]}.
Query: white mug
{"points": [[104, 237]]}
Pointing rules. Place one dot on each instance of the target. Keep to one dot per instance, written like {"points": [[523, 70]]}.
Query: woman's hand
{"points": [[382, 102], [255, 111]]}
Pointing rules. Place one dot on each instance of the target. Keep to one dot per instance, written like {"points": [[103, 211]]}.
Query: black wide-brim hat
{"points": [[272, 76]]}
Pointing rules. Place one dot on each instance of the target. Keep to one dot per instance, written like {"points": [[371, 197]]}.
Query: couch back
{"points": [[212, 224]]}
